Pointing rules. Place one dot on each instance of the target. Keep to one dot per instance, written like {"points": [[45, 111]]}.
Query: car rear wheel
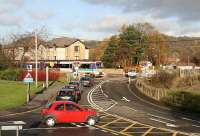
{"points": [[91, 121], [50, 122]]}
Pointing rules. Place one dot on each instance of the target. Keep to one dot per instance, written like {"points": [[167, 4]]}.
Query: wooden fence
{"points": [[154, 93]]}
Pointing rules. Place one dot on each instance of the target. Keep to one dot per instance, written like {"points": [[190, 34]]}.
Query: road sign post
{"points": [[47, 77], [28, 93], [28, 79]]}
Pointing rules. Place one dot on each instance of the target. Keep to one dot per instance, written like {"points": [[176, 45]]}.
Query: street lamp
{"points": [[36, 60]]}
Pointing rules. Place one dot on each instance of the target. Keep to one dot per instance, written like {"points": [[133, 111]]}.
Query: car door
{"points": [[75, 113], [59, 112]]}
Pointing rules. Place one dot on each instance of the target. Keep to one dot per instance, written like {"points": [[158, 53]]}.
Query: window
{"points": [[71, 107], [59, 107], [48, 105], [76, 48]]}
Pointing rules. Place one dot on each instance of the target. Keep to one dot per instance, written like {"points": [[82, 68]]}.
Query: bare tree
{"points": [[22, 47]]}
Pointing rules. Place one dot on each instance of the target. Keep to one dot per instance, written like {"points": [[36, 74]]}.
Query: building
{"points": [[58, 49], [67, 49]]}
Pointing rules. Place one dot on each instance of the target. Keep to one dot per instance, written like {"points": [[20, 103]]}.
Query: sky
{"points": [[98, 19]]}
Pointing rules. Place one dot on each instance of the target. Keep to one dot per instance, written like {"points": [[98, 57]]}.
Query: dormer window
{"points": [[76, 48]]}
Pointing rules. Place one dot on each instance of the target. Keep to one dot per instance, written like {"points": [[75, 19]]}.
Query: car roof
{"points": [[74, 82], [85, 77], [67, 89], [64, 102]]}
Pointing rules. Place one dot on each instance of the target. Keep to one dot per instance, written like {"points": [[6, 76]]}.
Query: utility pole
{"points": [[36, 60]]}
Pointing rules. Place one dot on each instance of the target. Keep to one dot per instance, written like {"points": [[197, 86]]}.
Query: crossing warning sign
{"points": [[28, 78]]}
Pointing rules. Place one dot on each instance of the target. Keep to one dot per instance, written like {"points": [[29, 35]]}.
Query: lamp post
{"points": [[36, 60]]}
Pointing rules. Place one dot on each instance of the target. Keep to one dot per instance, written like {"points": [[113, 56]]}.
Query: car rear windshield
{"points": [[85, 78], [65, 93], [73, 83]]}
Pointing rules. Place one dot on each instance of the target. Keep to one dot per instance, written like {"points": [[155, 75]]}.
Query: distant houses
{"points": [[58, 49]]}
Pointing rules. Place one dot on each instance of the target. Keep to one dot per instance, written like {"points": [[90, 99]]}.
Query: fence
{"points": [[189, 72], [154, 93]]}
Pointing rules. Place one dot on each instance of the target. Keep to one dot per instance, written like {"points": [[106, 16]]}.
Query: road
{"points": [[116, 97], [122, 113]]}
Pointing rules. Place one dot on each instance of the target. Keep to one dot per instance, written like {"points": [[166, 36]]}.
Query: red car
{"points": [[68, 112]]}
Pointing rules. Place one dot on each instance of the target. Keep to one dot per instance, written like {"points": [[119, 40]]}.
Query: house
{"points": [[58, 49], [67, 49]]}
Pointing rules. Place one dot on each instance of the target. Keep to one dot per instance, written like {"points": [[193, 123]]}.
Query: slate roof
{"points": [[63, 42]]}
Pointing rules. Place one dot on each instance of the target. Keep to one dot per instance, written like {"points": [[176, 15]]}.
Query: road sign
{"points": [[51, 64], [28, 78]]}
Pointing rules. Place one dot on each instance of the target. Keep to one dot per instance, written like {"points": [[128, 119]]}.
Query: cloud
{"points": [[173, 17], [9, 20], [8, 9], [187, 10], [41, 15], [8, 6]]}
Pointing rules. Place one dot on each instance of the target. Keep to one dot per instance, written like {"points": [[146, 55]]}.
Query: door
{"points": [[75, 113], [59, 113]]}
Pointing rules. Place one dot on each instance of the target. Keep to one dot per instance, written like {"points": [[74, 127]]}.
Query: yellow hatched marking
{"points": [[103, 116], [148, 131], [111, 122], [111, 130], [145, 125], [130, 126]]}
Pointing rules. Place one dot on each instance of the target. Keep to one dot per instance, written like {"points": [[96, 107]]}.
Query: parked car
{"points": [[67, 94], [75, 83], [67, 112], [87, 81], [76, 89]]}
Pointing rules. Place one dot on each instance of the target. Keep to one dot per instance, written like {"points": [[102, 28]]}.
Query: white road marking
{"points": [[111, 106], [191, 120], [125, 99], [104, 130], [52, 128], [166, 123], [196, 126], [157, 120], [79, 126], [161, 117]]}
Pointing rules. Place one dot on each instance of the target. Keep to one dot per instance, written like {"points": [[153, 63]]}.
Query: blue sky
{"points": [[97, 19]]}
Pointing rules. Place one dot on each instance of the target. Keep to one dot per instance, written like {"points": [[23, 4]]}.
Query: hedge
{"points": [[185, 100], [10, 74]]}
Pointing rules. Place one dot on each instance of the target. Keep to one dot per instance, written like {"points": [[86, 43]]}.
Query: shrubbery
{"points": [[162, 79], [10, 74], [185, 100]]}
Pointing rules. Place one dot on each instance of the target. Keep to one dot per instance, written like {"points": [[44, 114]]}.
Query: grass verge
{"points": [[13, 93]]}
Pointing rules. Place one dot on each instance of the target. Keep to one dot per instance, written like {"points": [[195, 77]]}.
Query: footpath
{"points": [[37, 101]]}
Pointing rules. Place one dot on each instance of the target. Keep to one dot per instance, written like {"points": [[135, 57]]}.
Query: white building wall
{"points": [[86, 53], [60, 54]]}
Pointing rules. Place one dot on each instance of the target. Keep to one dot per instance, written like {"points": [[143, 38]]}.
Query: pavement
{"points": [[36, 102]]}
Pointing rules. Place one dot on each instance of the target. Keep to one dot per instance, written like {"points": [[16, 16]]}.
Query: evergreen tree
{"points": [[109, 56]]}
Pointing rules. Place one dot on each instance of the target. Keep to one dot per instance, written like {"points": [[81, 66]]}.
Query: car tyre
{"points": [[91, 121], [50, 122]]}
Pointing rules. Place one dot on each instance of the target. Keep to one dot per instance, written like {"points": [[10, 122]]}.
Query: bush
{"points": [[10, 74], [184, 100], [162, 79]]}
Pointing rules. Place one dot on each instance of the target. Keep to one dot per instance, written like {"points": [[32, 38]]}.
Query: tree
{"points": [[130, 49], [24, 43], [158, 48], [5, 61], [109, 56], [97, 52]]}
